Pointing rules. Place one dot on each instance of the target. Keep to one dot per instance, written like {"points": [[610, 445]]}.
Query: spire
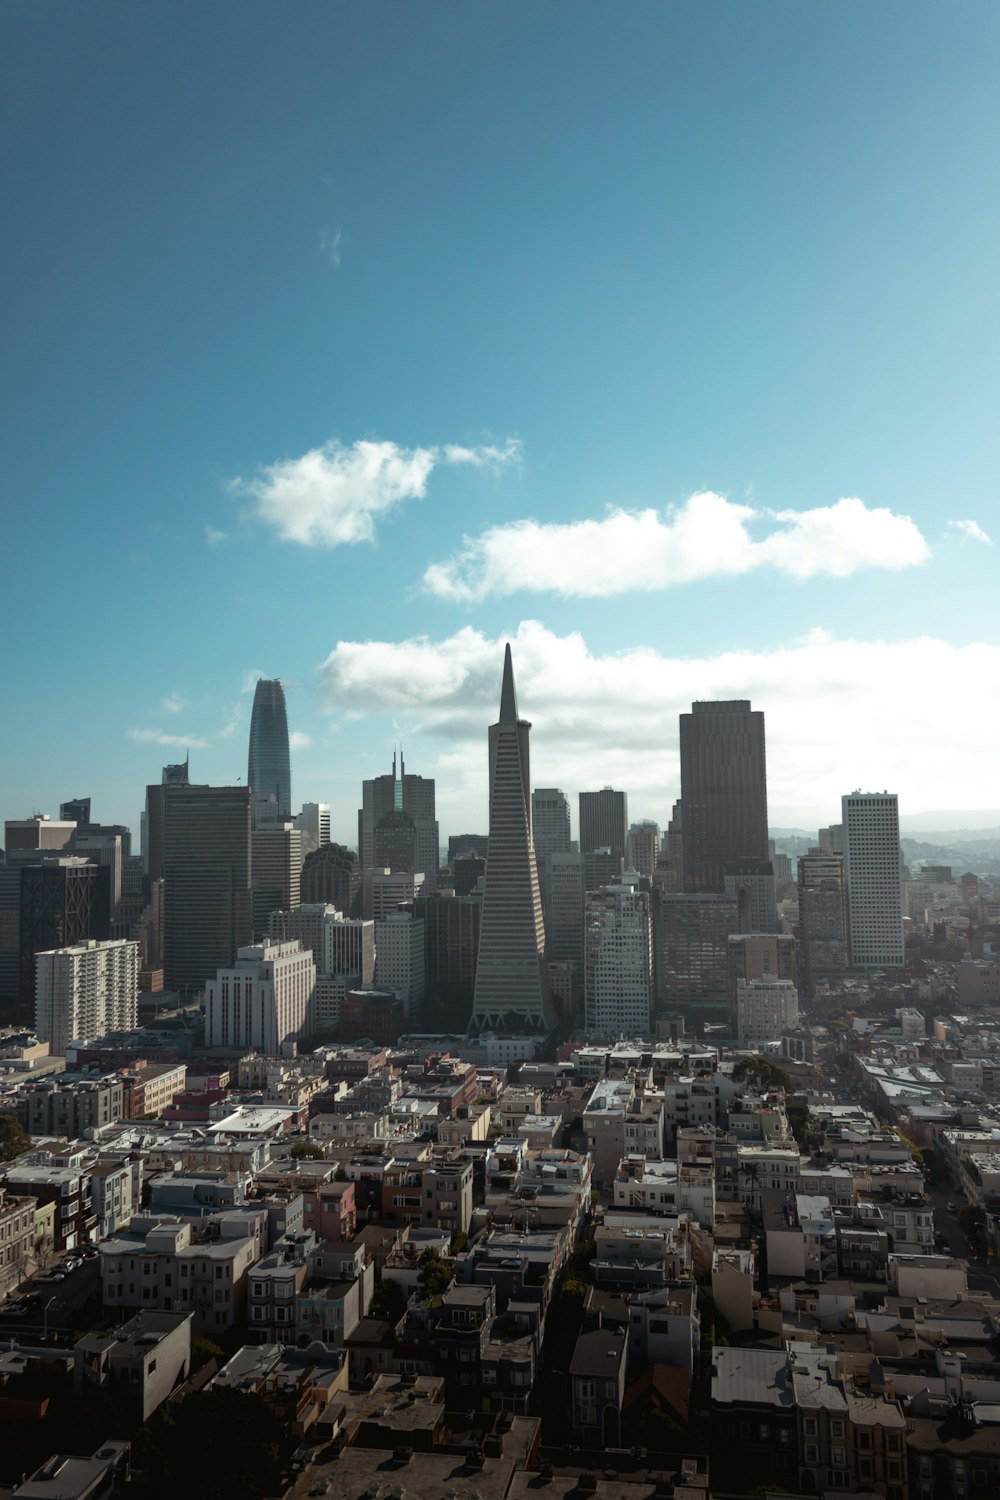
{"points": [[508, 698]]}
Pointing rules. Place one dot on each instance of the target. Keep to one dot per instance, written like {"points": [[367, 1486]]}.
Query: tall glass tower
{"points": [[269, 774]]}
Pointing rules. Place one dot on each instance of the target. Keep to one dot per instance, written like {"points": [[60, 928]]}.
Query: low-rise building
{"points": [[143, 1361]]}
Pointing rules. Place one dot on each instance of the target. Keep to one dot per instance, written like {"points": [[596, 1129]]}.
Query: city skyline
{"points": [[691, 398]]}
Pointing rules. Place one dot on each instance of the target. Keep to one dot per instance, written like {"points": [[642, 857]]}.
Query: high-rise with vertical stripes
{"points": [[511, 984], [269, 774]]}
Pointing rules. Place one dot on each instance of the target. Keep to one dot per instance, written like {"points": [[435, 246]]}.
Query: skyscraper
{"points": [[511, 984], [261, 1000], [397, 823], [550, 821], [269, 775], [619, 963], [206, 876], [824, 945], [604, 821], [723, 789], [872, 869]]}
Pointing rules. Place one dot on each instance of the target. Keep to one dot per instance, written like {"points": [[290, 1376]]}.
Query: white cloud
{"points": [[214, 536], [299, 741], [160, 737], [708, 536], [971, 531], [250, 679], [172, 704], [333, 496], [331, 241], [840, 714]]}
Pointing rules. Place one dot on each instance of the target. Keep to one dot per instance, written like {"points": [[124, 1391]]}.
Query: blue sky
{"points": [[343, 342]]}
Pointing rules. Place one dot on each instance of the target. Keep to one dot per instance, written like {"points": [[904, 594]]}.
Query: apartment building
{"points": [[160, 1264]]}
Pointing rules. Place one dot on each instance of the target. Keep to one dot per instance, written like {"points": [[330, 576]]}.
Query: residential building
{"points": [[143, 1361], [71, 1104], [597, 1382], [160, 1264], [764, 1009], [85, 991], [17, 1239], [69, 1190]]}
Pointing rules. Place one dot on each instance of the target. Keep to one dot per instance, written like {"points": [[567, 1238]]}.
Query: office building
{"points": [[260, 1002], [305, 924], [383, 796], [152, 844], [399, 959], [723, 790], [85, 991], [566, 907], [386, 890], [873, 871], [104, 847], [63, 901], [764, 1009], [601, 867], [511, 983], [451, 948], [604, 822], [550, 821], [751, 883], [331, 875], [691, 945], [643, 848], [76, 810], [206, 881], [823, 931], [269, 775], [276, 864], [619, 960], [313, 822], [831, 840], [39, 834]]}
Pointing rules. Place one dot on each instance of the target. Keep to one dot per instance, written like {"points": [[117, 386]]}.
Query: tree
{"points": [[219, 1445], [760, 1073], [13, 1137], [972, 1223], [434, 1275], [306, 1151]]}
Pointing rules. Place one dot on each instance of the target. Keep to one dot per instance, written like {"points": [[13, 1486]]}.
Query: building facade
{"points": [[260, 1003], [873, 871], [86, 991], [723, 790]]}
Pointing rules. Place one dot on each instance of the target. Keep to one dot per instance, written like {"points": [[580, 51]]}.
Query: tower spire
{"points": [[508, 698]]}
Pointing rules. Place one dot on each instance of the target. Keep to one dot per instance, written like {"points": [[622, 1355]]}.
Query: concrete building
{"points": [[618, 960], [764, 1009], [260, 1003], [313, 822], [643, 848], [143, 1361], [824, 928], [85, 991], [159, 1264], [550, 821], [331, 876], [69, 1105], [872, 867], [384, 799], [17, 1239], [511, 990], [387, 890], [276, 849], [399, 959], [62, 901]]}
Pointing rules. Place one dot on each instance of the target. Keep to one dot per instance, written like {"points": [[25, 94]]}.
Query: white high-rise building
{"points": [[764, 1009], [399, 958], [260, 1002], [390, 889], [313, 822], [85, 991], [619, 960], [872, 869], [550, 821], [511, 991]]}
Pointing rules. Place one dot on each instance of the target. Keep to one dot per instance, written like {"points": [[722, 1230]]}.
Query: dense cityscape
{"points": [[655, 1162]]}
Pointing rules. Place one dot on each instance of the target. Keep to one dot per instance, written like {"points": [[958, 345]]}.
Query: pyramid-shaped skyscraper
{"points": [[511, 991]]}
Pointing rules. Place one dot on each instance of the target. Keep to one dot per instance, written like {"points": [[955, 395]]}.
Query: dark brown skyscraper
{"points": [[723, 790], [206, 877]]}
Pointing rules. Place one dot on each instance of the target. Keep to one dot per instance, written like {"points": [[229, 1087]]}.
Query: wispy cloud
{"points": [[250, 679], [331, 243], [161, 737], [709, 536], [214, 536], [297, 740], [840, 713], [172, 704], [971, 531], [334, 495]]}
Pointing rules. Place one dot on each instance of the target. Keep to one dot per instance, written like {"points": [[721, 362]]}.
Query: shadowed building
{"points": [[206, 877], [723, 790]]}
